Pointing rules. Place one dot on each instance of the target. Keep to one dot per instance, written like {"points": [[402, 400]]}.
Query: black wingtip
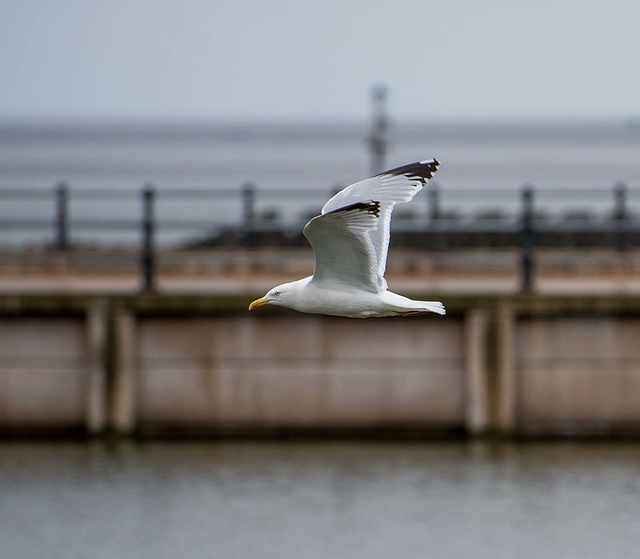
{"points": [[421, 170], [371, 206]]}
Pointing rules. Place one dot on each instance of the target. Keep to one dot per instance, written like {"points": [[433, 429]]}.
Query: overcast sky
{"points": [[297, 60]]}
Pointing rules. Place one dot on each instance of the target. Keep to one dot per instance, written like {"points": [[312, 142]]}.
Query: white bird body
{"points": [[350, 240], [307, 296]]}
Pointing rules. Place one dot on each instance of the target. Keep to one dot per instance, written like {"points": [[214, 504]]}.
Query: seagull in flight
{"points": [[350, 239]]}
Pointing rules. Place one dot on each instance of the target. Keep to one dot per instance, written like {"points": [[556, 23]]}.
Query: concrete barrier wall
{"points": [[53, 368], [300, 371], [158, 364], [578, 374], [43, 372]]}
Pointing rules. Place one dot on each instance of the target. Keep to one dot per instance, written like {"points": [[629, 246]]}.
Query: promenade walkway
{"points": [[236, 272]]}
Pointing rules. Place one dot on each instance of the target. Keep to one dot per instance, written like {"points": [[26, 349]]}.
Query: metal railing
{"points": [[523, 218]]}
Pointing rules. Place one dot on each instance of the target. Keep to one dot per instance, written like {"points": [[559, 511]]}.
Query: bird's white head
{"points": [[281, 296]]}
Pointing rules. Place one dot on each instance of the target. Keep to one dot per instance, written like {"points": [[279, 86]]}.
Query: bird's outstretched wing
{"points": [[342, 244], [370, 258]]}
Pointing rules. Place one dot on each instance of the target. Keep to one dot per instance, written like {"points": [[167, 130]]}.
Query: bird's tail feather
{"points": [[434, 306]]}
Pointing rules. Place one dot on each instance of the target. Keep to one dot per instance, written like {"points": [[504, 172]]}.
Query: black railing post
{"points": [[62, 216], [148, 238], [528, 239], [433, 201], [620, 215], [248, 212]]}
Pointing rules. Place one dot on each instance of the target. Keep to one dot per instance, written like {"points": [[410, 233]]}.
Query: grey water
{"points": [[319, 500], [489, 161]]}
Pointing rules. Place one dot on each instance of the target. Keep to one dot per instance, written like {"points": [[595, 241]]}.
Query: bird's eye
{"points": [[276, 294]]}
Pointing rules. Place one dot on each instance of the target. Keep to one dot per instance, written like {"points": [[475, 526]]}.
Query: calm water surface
{"points": [[324, 500]]}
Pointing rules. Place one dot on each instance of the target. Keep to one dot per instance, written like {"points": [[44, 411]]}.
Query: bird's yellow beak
{"points": [[259, 303]]}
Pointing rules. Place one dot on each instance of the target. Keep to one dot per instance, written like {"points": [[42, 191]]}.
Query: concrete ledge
{"points": [[200, 365]]}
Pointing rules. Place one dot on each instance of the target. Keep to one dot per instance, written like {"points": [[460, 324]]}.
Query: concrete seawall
{"points": [[201, 365]]}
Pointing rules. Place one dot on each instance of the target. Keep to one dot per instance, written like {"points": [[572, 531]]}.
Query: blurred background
{"points": [[158, 161]]}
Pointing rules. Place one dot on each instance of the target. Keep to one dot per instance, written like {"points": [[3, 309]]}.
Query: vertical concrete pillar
{"points": [[506, 375], [123, 404], [477, 380], [96, 385]]}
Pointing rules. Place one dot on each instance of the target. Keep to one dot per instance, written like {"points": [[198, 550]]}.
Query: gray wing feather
{"points": [[343, 248], [388, 189]]}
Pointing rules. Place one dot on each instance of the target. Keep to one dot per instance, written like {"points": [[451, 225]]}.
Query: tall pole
{"points": [[620, 215], [248, 213], [62, 216], [379, 125]]}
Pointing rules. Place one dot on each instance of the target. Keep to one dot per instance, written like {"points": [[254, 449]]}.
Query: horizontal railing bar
{"points": [[444, 226], [26, 194], [27, 191]]}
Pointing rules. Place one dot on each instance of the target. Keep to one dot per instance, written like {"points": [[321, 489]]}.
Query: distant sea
{"points": [[317, 158]]}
